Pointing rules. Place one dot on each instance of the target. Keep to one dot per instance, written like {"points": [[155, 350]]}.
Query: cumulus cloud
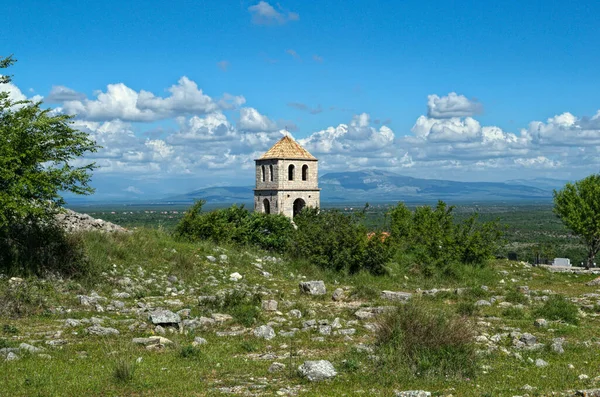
{"points": [[60, 94], [565, 129], [264, 13], [356, 137], [452, 105], [124, 103], [15, 94], [252, 120]]}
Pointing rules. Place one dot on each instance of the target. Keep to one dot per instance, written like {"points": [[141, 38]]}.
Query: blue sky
{"points": [[466, 90]]}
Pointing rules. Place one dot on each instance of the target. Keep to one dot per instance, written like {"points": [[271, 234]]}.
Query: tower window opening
{"points": [[263, 173], [291, 172], [271, 172], [305, 172]]}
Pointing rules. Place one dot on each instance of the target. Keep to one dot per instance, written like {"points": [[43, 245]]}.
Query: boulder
{"points": [[413, 393], [313, 287], [102, 331], [165, 317], [269, 305], [265, 332], [316, 371], [338, 295]]}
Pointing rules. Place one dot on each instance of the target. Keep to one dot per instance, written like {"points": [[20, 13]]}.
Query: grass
{"points": [[420, 361], [427, 342], [557, 307]]}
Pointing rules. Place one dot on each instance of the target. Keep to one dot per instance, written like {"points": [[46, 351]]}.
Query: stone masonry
{"points": [[286, 179]]}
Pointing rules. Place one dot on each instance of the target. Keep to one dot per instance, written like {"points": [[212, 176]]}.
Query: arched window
{"points": [[266, 206], [291, 172], [263, 173], [271, 171], [305, 172]]}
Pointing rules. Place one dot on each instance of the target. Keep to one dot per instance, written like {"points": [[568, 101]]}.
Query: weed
{"points": [[244, 308], [467, 309], [557, 307], [364, 292], [249, 346], [9, 329], [189, 352], [427, 342], [124, 370], [514, 296], [513, 313]]}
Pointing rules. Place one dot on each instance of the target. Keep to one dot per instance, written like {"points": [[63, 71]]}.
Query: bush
{"points": [[515, 296], [189, 351], [513, 313], [335, 241], [558, 308], [437, 241], [426, 343], [38, 248], [236, 225]]}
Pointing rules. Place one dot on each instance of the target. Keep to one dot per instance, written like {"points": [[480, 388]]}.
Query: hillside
{"points": [[375, 185], [169, 318]]}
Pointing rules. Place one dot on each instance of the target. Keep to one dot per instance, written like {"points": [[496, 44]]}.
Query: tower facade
{"points": [[287, 179]]}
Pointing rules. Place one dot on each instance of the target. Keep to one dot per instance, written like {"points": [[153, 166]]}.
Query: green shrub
{"points": [[36, 248], [236, 225], [426, 343], [437, 241], [365, 292], [557, 307], [336, 241]]}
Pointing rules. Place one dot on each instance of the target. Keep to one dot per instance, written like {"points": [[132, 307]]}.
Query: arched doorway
{"points": [[266, 206], [299, 204]]}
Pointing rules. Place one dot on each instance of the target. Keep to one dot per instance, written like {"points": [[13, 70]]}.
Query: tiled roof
{"points": [[287, 148]]}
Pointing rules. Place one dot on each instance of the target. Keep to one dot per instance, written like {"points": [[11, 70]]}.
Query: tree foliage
{"points": [[437, 241], [38, 153], [38, 150], [578, 206], [236, 225]]}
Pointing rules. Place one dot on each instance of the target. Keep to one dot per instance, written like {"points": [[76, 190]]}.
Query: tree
{"points": [[39, 160], [37, 153], [578, 206]]}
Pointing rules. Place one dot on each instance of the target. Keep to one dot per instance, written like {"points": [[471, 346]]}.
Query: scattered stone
{"points": [[396, 296], [70, 322], [30, 348], [295, 313], [413, 393], [211, 258], [153, 340], [316, 371], [269, 305], [223, 258], [588, 393], [121, 295], [265, 332], [557, 345], [528, 339], [540, 363], [221, 318], [72, 221], [313, 287], [102, 331], [325, 329], [583, 377], [206, 299], [276, 367], [199, 341], [483, 302], [594, 282], [235, 277], [338, 295], [166, 317], [540, 323], [11, 357]]}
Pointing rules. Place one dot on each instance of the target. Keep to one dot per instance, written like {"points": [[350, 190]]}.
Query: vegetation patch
{"points": [[427, 342], [557, 307]]}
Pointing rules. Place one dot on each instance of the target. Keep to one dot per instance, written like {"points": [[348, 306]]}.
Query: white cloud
{"points": [[265, 14], [15, 94], [565, 129], [252, 120], [124, 103], [133, 189], [452, 105]]}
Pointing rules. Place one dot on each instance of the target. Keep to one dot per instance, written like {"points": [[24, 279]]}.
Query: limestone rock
{"points": [[338, 295], [413, 393], [265, 332], [316, 371], [313, 287], [396, 296], [269, 305], [235, 277], [276, 367], [102, 331], [164, 317]]}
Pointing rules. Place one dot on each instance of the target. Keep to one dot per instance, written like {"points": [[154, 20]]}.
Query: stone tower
{"points": [[286, 179]]}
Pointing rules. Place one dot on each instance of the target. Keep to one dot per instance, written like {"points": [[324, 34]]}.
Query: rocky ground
{"points": [[170, 318]]}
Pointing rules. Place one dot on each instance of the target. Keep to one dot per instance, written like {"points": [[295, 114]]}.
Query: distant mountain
{"points": [[541, 183], [383, 186]]}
